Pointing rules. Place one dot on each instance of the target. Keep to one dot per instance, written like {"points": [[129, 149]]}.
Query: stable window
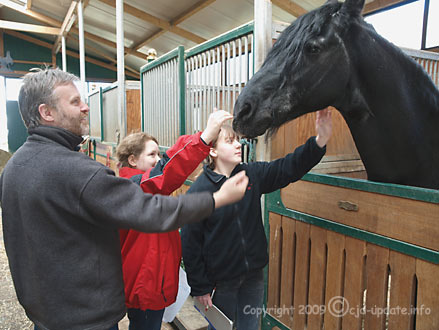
{"points": [[411, 24], [432, 37]]}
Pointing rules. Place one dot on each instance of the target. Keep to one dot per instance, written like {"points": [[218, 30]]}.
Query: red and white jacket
{"points": [[151, 262]]}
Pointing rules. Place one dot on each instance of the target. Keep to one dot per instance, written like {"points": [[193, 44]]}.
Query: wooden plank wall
{"points": [[407, 220], [134, 110], [341, 157], [322, 279], [105, 152]]}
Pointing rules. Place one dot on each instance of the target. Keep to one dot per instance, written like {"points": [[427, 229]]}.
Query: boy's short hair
{"points": [[132, 144], [227, 131]]}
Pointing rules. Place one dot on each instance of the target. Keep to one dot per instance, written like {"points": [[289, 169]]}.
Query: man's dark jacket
{"points": [[61, 211], [231, 242]]}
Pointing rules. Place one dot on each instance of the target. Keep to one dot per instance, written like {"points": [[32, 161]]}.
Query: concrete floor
{"points": [[12, 316]]}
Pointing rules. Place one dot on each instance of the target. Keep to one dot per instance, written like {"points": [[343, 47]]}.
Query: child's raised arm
{"points": [[214, 123]]}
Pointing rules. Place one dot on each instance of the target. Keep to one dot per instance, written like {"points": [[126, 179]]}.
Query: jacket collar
{"points": [[128, 172], [216, 177], [57, 134]]}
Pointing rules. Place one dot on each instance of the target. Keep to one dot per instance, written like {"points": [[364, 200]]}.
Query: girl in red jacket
{"points": [[151, 262]]}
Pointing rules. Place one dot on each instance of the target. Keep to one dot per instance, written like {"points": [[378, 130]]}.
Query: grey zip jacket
{"points": [[61, 211]]}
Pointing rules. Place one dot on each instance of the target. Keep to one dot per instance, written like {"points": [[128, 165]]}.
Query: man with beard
{"points": [[62, 210]]}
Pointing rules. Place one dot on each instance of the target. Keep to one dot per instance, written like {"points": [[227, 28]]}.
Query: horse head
{"points": [[307, 69], [332, 57]]}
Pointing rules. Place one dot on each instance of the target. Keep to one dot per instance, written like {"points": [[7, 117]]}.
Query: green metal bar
{"points": [[275, 205], [162, 59], [94, 149], [269, 322], [101, 111], [188, 182], [236, 33], [267, 235], [416, 193], [109, 88], [182, 87], [142, 103]]}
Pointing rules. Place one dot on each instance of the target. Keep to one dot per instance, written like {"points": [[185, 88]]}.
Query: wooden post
{"points": [[81, 50], [121, 102], [53, 60], [64, 56], [263, 43]]}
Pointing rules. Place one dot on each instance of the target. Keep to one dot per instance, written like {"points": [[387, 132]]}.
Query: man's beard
{"points": [[75, 125]]}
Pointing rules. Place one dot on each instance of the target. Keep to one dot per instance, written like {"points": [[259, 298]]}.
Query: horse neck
{"points": [[393, 111]]}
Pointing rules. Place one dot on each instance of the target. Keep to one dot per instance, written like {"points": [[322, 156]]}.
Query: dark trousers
{"points": [[240, 298], [145, 320]]}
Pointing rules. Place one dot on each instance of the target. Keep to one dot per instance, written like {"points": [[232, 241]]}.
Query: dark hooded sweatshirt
{"points": [[231, 242], [61, 211]]}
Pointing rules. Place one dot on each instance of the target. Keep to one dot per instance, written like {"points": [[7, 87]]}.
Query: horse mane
{"points": [[306, 26], [412, 69], [288, 51]]}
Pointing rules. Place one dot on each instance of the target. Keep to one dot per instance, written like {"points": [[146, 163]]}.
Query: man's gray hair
{"points": [[37, 89]]}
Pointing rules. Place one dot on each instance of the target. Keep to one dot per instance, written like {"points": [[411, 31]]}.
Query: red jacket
{"points": [[151, 262]]}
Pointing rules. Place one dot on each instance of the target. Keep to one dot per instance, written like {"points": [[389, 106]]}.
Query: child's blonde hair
{"points": [[228, 132], [132, 144]]}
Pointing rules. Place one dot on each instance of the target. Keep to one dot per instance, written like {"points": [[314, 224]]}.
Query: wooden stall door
{"points": [[133, 110], [342, 157]]}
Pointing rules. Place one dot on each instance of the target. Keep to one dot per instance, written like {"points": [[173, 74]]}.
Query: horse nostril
{"points": [[245, 110]]}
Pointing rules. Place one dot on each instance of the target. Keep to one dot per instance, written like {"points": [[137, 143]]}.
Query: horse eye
{"points": [[312, 48]]}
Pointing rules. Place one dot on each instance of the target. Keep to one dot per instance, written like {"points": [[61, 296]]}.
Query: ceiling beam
{"points": [[48, 20], [147, 41], [66, 25], [69, 52], [109, 43], [84, 5], [8, 25], [290, 7], [109, 58], [30, 13], [192, 11], [379, 4], [165, 25], [180, 18]]}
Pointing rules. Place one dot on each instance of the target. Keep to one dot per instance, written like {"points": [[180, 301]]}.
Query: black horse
{"points": [[332, 57]]}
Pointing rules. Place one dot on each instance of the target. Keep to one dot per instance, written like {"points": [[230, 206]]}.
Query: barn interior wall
{"points": [[26, 51]]}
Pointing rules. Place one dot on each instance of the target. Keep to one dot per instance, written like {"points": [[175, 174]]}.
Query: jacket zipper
{"points": [[243, 242]]}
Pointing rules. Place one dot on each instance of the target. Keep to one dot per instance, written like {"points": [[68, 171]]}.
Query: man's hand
{"points": [[205, 300], [323, 127], [214, 123], [232, 190]]}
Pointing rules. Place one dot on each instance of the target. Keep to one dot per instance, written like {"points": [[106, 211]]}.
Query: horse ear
{"points": [[353, 7]]}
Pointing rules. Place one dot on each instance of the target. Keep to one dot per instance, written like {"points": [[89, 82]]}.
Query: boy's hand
{"points": [[323, 127], [214, 123], [232, 190], [205, 300]]}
